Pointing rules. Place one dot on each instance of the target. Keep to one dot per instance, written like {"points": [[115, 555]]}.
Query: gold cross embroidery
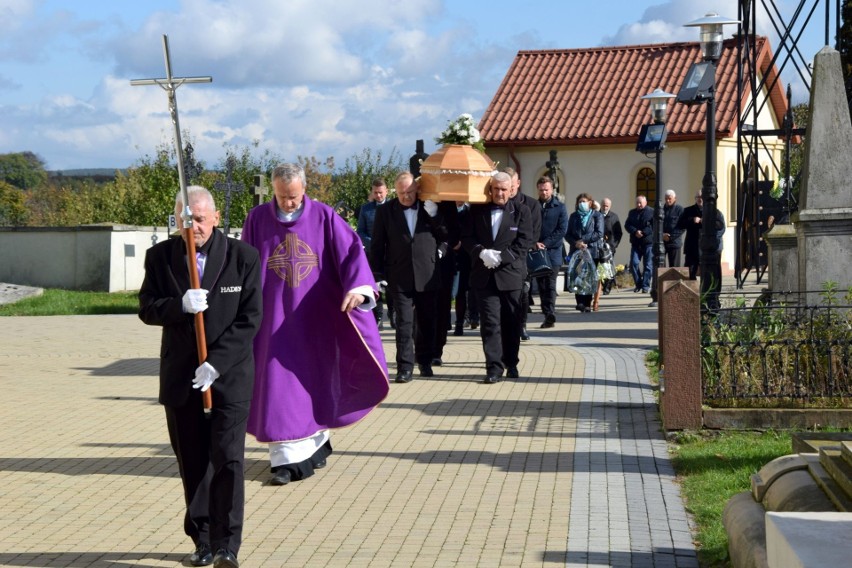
{"points": [[292, 260]]}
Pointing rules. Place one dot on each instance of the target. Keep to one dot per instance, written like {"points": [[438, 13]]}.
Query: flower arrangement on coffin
{"points": [[459, 170]]}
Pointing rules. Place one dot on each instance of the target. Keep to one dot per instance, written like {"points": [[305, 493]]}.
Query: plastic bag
{"points": [[582, 273]]}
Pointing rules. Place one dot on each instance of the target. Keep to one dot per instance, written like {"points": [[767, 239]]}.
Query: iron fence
{"points": [[774, 349]]}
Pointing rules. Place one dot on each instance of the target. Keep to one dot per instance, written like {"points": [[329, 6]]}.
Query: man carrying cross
{"points": [[318, 355]]}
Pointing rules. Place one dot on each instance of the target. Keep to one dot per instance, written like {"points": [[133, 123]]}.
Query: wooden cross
{"points": [[229, 186], [259, 190]]}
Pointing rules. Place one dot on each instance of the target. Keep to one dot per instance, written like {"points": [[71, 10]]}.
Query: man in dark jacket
{"points": [[497, 240], [690, 222], [554, 223], [210, 451], [409, 239], [640, 227], [612, 235], [672, 231], [519, 197], [366, 218]]}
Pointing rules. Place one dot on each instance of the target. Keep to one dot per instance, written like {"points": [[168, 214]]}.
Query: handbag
{"points": [[538, 264], [604, 252]]}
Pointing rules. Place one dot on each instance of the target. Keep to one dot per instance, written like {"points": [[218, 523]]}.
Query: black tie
{"points": [[405, 207]]}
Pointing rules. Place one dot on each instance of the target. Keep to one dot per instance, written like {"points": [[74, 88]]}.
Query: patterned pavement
{"points": [[565, 466]]}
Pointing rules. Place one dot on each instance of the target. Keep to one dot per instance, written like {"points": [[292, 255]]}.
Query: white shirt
{"points": [[411, 218], [496, 219]]}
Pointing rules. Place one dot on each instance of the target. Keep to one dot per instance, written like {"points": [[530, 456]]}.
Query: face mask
{"points": [[583, 206]]}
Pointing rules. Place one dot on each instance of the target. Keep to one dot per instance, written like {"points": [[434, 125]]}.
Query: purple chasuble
{"points": [[316, 367]]}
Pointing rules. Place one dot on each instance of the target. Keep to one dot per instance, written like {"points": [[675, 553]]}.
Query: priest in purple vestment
{"points": [[319, 362]]}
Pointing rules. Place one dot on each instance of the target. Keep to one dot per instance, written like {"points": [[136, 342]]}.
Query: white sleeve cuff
{"points": [[368, 292]]}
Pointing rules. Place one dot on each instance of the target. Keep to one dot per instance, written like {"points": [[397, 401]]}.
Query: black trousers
{"points": [[500, 314], [547, 293], [414, 343], [673, 256], [210, 453], [443, 317]]}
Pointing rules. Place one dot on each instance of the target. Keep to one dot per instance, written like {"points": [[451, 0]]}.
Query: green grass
{"points": [[56, 302], [712, 468]]}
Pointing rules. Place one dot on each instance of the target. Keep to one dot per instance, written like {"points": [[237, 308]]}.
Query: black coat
{"points": [[514, 239], [692, 240], [640, 220], [235, 309], [612, 229], [591, 234], [671, 225], [554, 224], [409, 263], [534, 207]]}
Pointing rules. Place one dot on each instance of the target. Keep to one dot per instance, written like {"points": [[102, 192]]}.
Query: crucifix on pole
{"points": [[170, 84], [229, 186]]}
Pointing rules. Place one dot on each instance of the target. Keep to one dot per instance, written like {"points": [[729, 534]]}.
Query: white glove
{"points": [[204, 376], [194, 301], [383, 285], [430, 207], [490, 258]]}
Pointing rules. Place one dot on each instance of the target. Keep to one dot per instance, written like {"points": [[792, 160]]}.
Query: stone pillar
{"points": [[782, 244], [680, 382], [670, 274], [824, 221]]}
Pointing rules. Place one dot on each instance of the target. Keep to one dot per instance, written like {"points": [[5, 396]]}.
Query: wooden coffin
{"points": [[456, 172]]}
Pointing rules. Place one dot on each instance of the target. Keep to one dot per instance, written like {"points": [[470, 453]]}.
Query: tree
{"points": [[149, 189], [24, 170], [13, 208], [350, 185]]}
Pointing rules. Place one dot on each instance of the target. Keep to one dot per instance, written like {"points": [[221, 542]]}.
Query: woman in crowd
{"points": [[585, 232]]}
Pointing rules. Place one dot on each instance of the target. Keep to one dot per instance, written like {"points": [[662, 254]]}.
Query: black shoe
{"points": [[321, 464], [587, 309], [512, 373], [491, 379], [437, 362], [225, 559], [474, 324], [381, 326], [578, 307], [404, 377], [202, 556], [426, 370], [524, 335], [280, 476], [459, 330], [549, 321], [546, 324], [637, 289]]}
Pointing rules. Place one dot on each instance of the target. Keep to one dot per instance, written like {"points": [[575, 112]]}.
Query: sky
{"points": [[297, 77]]}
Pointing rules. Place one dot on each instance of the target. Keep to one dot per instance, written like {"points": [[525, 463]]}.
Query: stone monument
{"points": [[824, 220]]}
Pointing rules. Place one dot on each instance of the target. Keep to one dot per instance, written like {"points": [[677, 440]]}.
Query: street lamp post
{"points": [[652, 139], [700, 86]]}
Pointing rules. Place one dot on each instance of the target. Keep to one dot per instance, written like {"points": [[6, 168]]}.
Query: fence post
{"points": [[680, 383], [670, 274]]}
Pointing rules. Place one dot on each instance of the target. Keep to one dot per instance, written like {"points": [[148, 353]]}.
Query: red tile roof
{"points": [[592, 96]]}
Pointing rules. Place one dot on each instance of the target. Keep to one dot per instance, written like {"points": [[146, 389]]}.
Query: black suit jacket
{"points": [[514, 239], [407, 262], [231, 320]]}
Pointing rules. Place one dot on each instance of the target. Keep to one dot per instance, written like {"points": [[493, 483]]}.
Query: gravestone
{"points": [[824, 220], [260, 191]]}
